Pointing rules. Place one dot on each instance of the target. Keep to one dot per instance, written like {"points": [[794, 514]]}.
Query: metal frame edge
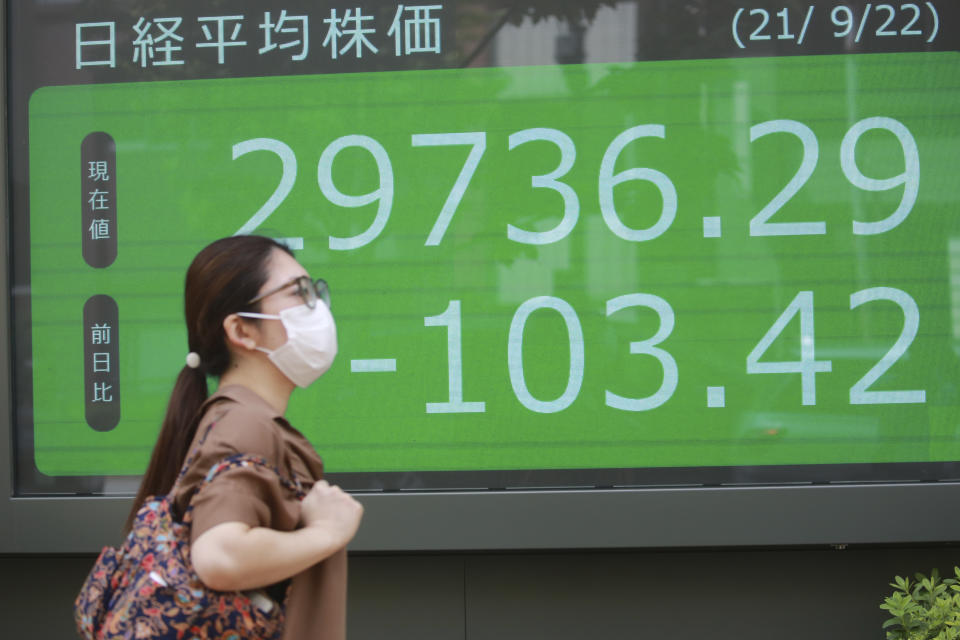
{"points": [[507, 520]]}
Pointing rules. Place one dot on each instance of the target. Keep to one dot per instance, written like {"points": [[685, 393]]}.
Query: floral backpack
{"points": [[147, 588]]}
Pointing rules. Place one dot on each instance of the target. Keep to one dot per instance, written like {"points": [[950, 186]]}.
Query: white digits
{"points": [[608, 181], [811, 154], [383, 194], [287, 178], [845, 22], [515, 355], [808, 366], [478, 142], [450, 318], [571, 205], [910, 178], [911, 324], [648, 347]]}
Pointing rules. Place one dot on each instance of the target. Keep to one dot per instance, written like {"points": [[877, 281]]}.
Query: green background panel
{"points": [[178, 188]]}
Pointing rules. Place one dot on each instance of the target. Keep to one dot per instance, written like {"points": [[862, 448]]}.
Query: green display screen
{"points": [[717, 262]]}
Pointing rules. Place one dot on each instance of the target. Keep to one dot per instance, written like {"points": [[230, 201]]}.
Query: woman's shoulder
{"points": [[239, 421]]}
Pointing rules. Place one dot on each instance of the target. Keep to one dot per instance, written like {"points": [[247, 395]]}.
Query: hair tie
{"points": [[193, 359]]}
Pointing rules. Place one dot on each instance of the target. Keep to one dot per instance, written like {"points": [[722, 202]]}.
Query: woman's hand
{"points": [[331, 508]]}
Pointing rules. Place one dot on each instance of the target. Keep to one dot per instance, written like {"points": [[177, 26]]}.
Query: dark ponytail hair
{"points": [[220, 281]]}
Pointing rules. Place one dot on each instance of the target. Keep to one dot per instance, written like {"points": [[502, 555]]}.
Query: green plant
{"points": [[927, 609]]}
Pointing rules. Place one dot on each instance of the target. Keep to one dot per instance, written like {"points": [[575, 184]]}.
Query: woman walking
{"points": [[258, 324]]}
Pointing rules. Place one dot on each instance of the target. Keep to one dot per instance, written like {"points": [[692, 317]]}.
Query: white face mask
{"points": [[311, 342]]}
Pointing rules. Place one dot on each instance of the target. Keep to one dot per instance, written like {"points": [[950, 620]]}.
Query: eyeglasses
{"points": [[309, 290]]}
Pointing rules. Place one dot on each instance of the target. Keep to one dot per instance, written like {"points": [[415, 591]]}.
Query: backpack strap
{"points": [[188, 461], [237, 461], [240, 460]]}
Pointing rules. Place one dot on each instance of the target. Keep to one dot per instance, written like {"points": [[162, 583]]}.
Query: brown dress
{"points": [[245, 423]]}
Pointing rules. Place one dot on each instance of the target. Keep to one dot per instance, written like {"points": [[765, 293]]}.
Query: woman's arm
{"points": [[233, 556]]}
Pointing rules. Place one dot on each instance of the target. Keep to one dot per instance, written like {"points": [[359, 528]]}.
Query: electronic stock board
{"points": [[571, 245]]}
